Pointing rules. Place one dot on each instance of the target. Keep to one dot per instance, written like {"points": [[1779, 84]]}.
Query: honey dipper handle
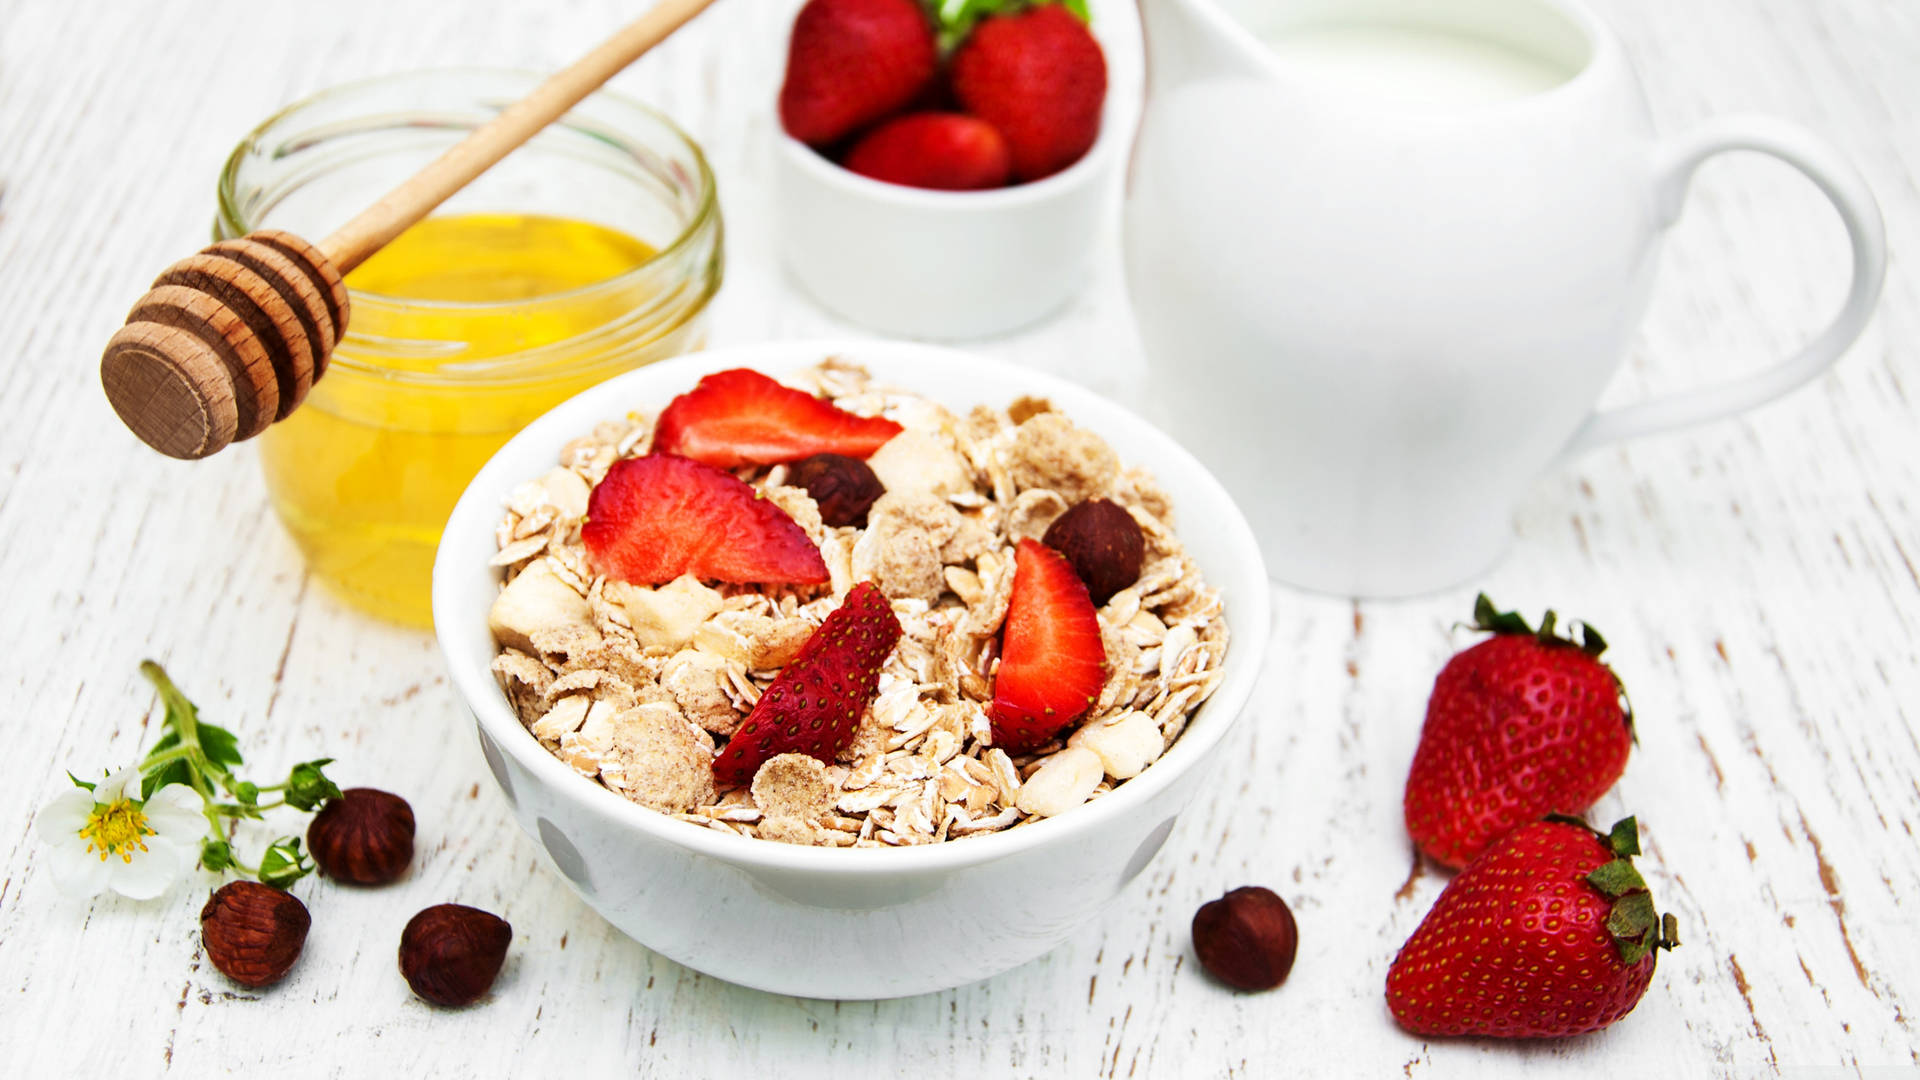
{"points": [[374, 227]]}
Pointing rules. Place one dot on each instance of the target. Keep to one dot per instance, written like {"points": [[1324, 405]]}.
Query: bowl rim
{"points": [[527, 454]]}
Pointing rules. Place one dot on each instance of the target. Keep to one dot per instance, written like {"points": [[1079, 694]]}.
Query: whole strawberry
{"points": [[815, 703], [1038, 76], [851, 63], [1522, 724], [1550, 933], [945, 151]]}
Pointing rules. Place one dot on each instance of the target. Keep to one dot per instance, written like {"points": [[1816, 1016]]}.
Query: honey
{"points": [[463, 329]]}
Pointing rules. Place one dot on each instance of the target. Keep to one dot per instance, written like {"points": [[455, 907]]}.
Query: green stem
{"points": [[185, 720], [167, 757]]}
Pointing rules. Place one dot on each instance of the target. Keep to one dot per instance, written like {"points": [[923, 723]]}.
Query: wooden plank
{"points": [[1757, 579]]}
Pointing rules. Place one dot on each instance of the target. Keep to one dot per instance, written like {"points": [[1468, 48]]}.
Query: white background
{"points": [[1757, 579]]}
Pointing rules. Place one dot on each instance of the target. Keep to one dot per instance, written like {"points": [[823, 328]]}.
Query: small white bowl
{"points": [[948, 265], [843, 922]]}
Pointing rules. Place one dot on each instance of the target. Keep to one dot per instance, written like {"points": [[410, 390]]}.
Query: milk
{"points": [[1412, 68]]}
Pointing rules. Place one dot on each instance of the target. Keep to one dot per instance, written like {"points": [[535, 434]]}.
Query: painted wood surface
{"points": [[1757, 579]]}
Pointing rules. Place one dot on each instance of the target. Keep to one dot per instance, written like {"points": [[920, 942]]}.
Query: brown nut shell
{"points": [[1247, 938], [253, 933], [1103, 544], [364, 837], [843, 488], [451, 953]]}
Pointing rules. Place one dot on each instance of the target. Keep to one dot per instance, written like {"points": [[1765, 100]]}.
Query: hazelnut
{"points": [[364, 837], [843, 487], [1103, 543], [451, 953], [252, 932], [1246, 938]]}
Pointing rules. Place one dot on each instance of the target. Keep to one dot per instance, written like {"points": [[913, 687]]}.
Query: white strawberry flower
{"points": [[108, 838]]}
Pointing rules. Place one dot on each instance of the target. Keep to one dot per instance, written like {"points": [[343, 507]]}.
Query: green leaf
{"points": [[1669, 932], [1624, 837], [308, 787], [284, 863], [1617, 878], [1631, 923], [216, 855], [955, 19], [1591, 642], [79, 783], [220, 745], [1499, 622], [173, 772]]}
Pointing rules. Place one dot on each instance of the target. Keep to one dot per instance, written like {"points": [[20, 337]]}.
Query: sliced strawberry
{"points": [[655, 518], [815, 703], [741, 417], [941, 150], [1052, 664]]}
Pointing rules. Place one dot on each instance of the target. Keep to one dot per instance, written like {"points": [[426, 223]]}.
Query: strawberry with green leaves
{"points": [[1523, 724], [1035, 72], [1551, 932], [815, 703]]}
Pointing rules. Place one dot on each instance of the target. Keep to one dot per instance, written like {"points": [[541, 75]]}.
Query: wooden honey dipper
{"points": [[231, 339]]}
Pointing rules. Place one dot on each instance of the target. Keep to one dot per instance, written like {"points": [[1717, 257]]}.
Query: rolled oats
{"points": [[631, 685]]}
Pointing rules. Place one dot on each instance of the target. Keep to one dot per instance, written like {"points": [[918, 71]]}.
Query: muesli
{"points": [[644, 688]]}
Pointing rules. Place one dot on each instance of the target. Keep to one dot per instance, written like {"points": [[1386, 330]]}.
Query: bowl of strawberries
{"points": [[943, 169]]}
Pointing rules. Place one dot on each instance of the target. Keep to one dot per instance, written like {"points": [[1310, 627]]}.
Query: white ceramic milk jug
{"points": [[1385, 255]]}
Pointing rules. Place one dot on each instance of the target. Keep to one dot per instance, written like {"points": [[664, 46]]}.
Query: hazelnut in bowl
{"points": [[873, 720], [945, 180]]}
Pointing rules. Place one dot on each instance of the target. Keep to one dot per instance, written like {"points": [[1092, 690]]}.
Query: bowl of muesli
{"points": [[848, 670]]}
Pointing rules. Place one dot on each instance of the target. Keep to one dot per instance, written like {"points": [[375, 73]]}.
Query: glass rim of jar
{"points": [[705, 210]]}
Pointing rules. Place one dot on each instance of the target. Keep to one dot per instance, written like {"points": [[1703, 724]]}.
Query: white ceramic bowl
{"points": [[943, 264], [842, 922]]}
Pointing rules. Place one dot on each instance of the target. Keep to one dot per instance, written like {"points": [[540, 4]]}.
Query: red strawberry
{"points": [[941, 150], [852, 62], [1052, 664], [1040, 77], [741, 417], [1552, 932], [815, 703], [655, 518], [1519, 725]]}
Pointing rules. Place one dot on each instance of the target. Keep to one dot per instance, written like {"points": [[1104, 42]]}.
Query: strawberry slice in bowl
{"points": [[815, 703], [1052, 664], [741, 417], [654, 518]]}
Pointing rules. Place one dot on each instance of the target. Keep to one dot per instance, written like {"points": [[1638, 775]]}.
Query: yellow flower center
{"points": [[116, 829]]}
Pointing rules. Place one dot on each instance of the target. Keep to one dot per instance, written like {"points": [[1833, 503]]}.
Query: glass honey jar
{"points": [[591, 250]]}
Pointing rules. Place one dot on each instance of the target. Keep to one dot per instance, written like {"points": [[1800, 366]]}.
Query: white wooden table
{"points": [[1758, 580]]}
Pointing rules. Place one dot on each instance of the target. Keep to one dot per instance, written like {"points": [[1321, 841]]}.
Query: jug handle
{"points": [[1843, 185]]}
